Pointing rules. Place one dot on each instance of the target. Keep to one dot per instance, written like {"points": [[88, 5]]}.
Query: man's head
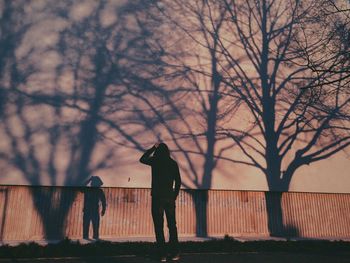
{"points": [[162, 151], [96, 181]]}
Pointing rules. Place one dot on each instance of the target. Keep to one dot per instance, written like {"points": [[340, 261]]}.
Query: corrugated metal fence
{"points": [[38, 213]]}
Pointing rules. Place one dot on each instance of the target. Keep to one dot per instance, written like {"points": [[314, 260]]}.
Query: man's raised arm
{"points": [[146, 157]]}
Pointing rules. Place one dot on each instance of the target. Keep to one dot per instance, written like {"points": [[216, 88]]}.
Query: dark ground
{"points": [[243, 257], [227, 250]]}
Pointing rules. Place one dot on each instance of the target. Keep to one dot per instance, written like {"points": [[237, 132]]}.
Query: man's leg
{"points": [[158, 221], [171, 219], [86, 224], [96, 225]]}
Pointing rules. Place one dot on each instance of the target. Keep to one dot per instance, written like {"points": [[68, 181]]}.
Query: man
{"points": [[93, 196], [165, 172]]}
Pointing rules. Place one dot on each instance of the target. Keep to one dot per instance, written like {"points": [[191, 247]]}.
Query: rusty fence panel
{"points": [[53, 213]]}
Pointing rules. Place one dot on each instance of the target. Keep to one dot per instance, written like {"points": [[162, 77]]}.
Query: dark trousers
{"points": [[94, 218], [159, 206]]}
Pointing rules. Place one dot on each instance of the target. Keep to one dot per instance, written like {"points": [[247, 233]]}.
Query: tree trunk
{"points": [[274, 213], [200, 201], [53, 206], [274, 209]]}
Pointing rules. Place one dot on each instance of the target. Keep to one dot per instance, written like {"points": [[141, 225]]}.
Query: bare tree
{"points": [[296, 127], [122, 77], [276, 63], [78, 90], [194, 62]]}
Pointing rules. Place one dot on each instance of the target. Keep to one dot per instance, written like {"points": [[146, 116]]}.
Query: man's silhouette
{"points": [[165, 172], [93, 196]]}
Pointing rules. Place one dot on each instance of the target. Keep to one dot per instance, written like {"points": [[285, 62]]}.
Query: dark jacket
{"points": [[165, 172], [92, 198]]}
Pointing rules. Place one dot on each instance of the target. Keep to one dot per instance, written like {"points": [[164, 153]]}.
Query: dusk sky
{"points": [[245, 100]]}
